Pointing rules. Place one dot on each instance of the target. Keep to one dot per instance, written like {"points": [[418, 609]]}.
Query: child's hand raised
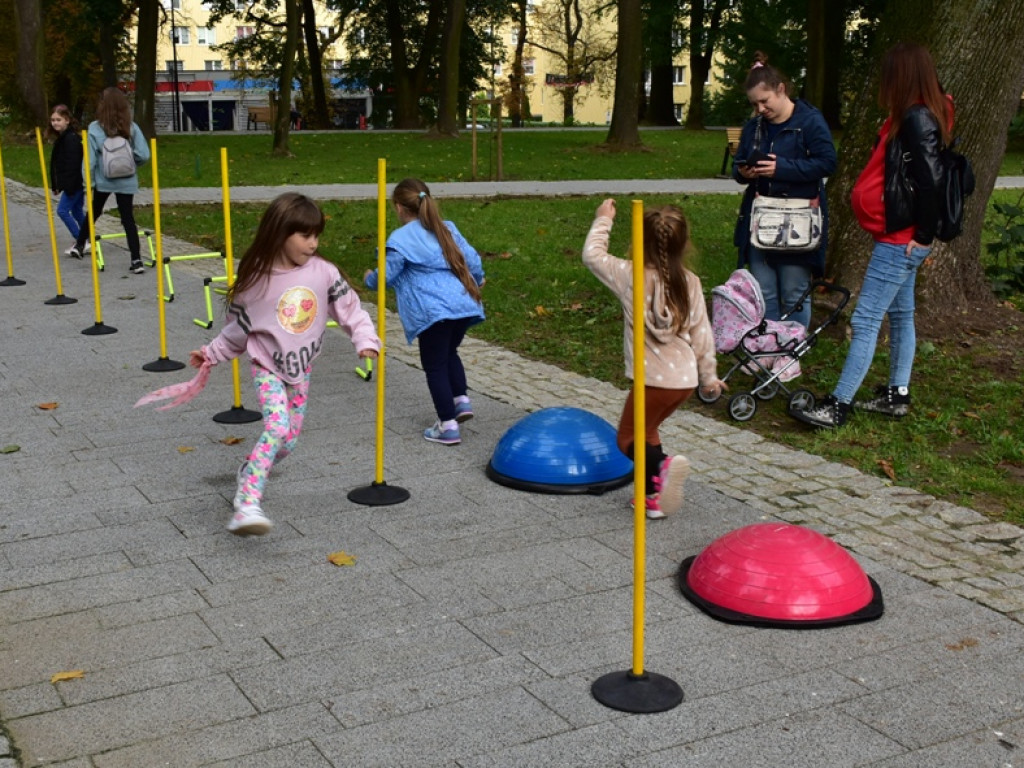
{"points": [[606, 208]]}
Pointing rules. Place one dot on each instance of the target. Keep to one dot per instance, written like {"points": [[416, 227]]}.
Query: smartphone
{"points": [[755, 157]]}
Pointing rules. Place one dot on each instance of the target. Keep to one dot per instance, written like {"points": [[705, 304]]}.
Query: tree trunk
{"points": [[451, 37], [702, 51], [516, 91], [410, 78], [29, 20], [977, 52], [661, 106], [624, 132], [832, 97], [292, 32], [814, 83], [145, 66], [320, 117]]}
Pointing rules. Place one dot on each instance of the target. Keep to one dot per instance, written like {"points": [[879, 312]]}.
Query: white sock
{"points": [[462, 399], [450, 424]]}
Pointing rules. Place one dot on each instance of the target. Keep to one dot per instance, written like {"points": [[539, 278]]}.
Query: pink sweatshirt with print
{"points": [[281, 321]]}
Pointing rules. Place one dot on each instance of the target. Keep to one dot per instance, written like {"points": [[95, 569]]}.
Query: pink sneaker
{"points": [[653, 507], [671, 479]]}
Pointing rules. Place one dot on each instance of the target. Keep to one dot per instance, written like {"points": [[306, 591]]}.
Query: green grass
{"points": [[962, 442]]}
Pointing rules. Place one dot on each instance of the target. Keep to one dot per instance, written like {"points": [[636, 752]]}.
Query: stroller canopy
{"points": [[737, 308]]}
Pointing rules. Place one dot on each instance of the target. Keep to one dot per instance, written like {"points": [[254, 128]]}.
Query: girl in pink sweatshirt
{"points": [[679, 347], [278, 309]]}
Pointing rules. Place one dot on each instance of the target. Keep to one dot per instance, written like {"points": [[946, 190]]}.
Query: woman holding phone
{"points": [[786, 151]]}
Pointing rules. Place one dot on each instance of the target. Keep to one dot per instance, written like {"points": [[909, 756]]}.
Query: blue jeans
{"points": [[439, 356], [781, 286], [71, 210], [888, 289]]}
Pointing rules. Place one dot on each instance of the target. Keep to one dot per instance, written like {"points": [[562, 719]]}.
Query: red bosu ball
{"points": [[779, 575]]}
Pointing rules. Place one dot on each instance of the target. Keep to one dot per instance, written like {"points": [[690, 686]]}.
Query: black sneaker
{"points": [[73, 252], [890, 401], [136, 267], [829, 413]]}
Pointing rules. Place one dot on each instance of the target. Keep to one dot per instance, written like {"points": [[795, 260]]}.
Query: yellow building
{"points": [[196, 90]]}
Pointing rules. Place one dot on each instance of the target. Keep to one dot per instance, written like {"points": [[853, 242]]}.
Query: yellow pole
{"points": [[161, 312], [11, 279], [639, 454], [49, 211], [382, 215], [229, 257]]}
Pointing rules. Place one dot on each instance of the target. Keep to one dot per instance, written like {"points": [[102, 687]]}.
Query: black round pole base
{"points": [[237, 415], [60, 298], [642, 694], [12, 280], [99, 329], [163, 364], [378, 495]]}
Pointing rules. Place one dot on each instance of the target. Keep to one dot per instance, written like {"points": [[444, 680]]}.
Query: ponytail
{"points": [[414, 196]]}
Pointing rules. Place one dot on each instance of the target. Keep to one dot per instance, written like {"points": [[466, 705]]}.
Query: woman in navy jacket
{"points": [[785, 150]]}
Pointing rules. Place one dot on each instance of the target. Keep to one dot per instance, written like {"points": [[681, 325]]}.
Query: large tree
{"points": [[145, 66], [624, 131], [30, 41], [661, 32], [976, 47], [451, 39], [705, 29]]}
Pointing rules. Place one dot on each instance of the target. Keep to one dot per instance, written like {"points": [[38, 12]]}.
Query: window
{"points": [[181, 35], [206, 36], [214, 65], [240, 5], [175, 4], [528, 66], [497, 70], [677, 110], [325, 32], [678, 75], [677, 38], [172, 65], [335, 65], [241, 32], [514, 38]]}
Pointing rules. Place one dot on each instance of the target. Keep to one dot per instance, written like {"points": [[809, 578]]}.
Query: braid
{"points": [[665, 243]]}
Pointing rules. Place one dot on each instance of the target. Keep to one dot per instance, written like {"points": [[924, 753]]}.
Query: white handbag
{"points": [[791, 224]]}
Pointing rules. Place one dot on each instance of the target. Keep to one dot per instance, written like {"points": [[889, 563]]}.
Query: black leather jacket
{"points": [[913, 175]]}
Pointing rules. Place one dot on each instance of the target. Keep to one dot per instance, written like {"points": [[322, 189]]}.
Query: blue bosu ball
{"points": [[560, 450]]}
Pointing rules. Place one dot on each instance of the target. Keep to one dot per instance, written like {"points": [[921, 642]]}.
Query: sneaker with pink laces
{"points": [[670, 481]]}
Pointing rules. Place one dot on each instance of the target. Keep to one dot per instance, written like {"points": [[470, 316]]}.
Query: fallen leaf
{"points": [[10, 449], [185, 449], [886, 466], [231, 440], [74, 674], [540, 311], [341, 558], [971, 415], [576, 306], [47, 406]]}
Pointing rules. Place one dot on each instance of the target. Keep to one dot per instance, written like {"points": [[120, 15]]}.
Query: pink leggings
{"points": [[284, 408]]}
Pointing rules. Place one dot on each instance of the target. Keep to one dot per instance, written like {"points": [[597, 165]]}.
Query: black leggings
{"points": [[439, 356], [125, 209]]}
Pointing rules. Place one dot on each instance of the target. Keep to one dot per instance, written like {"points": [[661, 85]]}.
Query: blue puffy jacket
{"points": [[427, 291]]}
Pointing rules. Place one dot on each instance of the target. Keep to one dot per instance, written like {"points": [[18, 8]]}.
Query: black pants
{"points": [[125, 204], [439, 356]]}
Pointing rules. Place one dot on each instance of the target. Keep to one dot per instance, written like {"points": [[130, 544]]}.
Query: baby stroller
{"points": [[767, 350]]}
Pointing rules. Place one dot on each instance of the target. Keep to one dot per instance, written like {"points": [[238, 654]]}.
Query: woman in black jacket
{"points": [[896, 199], [66, 172], [786, 150]]}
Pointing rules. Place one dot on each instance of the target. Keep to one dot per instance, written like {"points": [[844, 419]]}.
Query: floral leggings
{"points": [[284, 408]]}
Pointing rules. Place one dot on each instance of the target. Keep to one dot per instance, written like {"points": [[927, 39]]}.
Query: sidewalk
{"points": [[476, 617]]}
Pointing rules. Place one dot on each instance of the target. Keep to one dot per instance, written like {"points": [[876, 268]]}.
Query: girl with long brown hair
{"points": [[114, 118], [679, 347], [437, 276], [896, 200]]}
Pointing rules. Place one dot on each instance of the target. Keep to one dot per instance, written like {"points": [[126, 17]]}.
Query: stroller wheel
{"points": [[801, 400], [768, 391], [742, 406], [709, 399]]}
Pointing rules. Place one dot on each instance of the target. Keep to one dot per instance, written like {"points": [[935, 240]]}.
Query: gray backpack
{"points": [[118, 159]]}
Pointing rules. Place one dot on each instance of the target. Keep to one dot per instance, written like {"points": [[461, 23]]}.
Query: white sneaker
{"points": [[87, 248], [670, 481], [249, 520]]}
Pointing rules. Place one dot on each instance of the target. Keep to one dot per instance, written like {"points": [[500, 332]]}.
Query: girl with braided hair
{"points": [[437, 277], [679, 347]]}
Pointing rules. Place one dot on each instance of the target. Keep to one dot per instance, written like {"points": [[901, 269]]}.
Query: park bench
{"points": [[732, 143], [262, 114]]}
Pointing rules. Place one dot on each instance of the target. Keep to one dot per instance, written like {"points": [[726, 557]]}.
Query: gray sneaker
{"points": [[889, 401], [136, 267]]}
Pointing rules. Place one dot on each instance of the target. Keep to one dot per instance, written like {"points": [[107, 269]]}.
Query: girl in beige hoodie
{"points": [[679, 347]]}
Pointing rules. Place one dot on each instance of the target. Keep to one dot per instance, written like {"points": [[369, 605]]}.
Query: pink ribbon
{"points": [[179, 393]]}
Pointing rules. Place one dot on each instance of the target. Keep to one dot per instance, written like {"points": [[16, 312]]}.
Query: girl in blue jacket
{"points": [[437, 277]]}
